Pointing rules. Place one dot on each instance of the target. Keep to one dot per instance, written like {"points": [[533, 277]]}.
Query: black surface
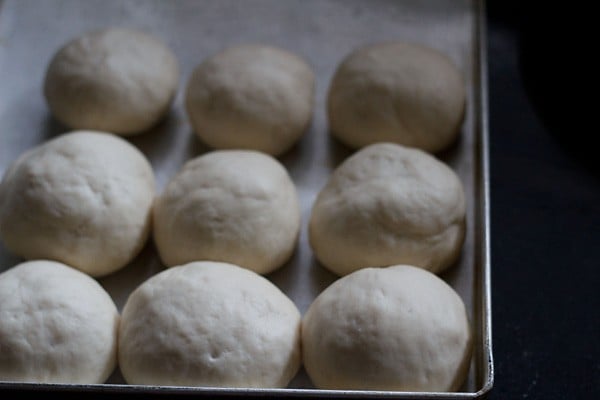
{"points": [[545, 206], [545, 209]]}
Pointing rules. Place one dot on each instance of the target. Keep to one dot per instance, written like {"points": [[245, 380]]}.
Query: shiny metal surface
{"points": [[322, 32]]}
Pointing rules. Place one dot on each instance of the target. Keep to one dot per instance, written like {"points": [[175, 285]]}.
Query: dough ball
{"points": [[398, 328], [236, 206], [251, 97], [57, 325], [116, 80], [396, 92], [83, 198], [209, 324], [385, 205]]}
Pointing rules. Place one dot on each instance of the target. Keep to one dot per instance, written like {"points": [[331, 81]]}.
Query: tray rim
{"points": [[484, 204], [483, 260], [485, 184]]}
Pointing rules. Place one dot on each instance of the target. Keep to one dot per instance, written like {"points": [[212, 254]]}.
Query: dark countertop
{"points": [[545, 202]]}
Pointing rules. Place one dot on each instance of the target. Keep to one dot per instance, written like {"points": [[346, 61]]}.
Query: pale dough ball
{"points": [[398, 328], [116, 80], [396, 92], [209, 324], [388, 204], [57, 325], [83, 198], [237, 206], [251, 97]]}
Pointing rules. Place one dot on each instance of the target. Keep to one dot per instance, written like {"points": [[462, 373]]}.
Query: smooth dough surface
{"points": [[209, 324], [237, 206], [251, 97], [116, 80], [397, 328], [57, 325], [396, 92], [389, 204], [83, 198]]}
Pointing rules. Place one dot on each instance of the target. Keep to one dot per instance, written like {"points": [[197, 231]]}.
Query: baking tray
{"points": [[323, 32]]}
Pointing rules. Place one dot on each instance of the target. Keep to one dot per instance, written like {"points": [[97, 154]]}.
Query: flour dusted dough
{"points": [[117, 80], [57, 325], [251, 97], [388, 204], [397, 328], [83, 198], [237, 206], [209, 324], [396, 92]]}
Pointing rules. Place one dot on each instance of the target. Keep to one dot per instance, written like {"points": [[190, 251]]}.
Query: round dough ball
{"points": [[236, 206], [251, 97], [388, 204], [398, 328], [396, 92], [83, 198], [57, 325], [116, 80], [209, 324]]}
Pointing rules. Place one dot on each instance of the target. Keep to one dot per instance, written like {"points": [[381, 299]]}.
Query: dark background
{"points": [[545, 202]]}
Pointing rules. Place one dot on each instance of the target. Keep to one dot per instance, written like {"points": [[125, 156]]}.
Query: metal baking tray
{"points": [[321, 31]]}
